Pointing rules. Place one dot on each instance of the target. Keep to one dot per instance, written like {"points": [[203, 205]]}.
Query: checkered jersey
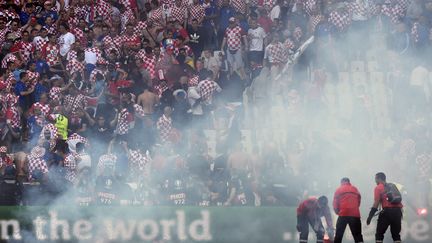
{"points": [[118, 41], [394, 12], [70, 165], [269, 3], [407, 147], [160, 88], [375, 10], [193, 81], [133, 40], [11, 98], [178, 14], [404, 3], [10, 57], [33, 76], [3, 36], [315, 20], [72, 54], [35, 163], [13, 117], [82, 12], [289, 44], [414, 32], [103, 8], [127, 17], [107, 42], [424, 166], [40, 42], [233, 37], [140, 27], [276, 53], [149, 63], [197, 12], [73, 22], [10, 15], [55, 93], [124, 122], [78, 138], [157, 17], [52, 130], [79, 35], [51, 29], [94, 50], [341, 20], [51, 54], [298, 33], [44, 108], [138, 160], [94, 73], [357, 9], [74, 103], [139, 111], [27, 50], [106, 161], [310, 6], [164, 127], [239, 6], [74, 66], [206, 90]]}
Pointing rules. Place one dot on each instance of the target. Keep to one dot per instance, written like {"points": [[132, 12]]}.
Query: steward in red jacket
{"points": [[346, 203]]}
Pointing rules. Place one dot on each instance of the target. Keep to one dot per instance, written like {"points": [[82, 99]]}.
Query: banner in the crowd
{"points": [[170, 224]]}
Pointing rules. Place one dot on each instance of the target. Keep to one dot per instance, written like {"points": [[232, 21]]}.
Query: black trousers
{"points": [[354, 224], [389, 217], [303, 228]]}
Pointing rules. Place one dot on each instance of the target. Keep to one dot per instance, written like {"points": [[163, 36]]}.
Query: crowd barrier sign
{"points": [[173, 224]]}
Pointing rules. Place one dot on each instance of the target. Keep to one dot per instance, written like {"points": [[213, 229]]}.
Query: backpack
{"points": [[393, 194]]}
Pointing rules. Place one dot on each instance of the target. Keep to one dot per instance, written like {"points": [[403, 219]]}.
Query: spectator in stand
{"points": [[66, 39], [197, 38], [257, 41], [234, 35]]}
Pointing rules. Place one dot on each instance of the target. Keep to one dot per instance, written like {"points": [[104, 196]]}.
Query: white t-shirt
{"points": [[193, 96], [275, 12], [90, 57], [65, 42], [256, 37]]}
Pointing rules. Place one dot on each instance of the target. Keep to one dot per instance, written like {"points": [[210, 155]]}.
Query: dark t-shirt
{"points": [[197, 39]]}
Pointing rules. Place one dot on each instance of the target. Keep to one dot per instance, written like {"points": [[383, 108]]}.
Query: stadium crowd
{"points": [[108, 100]]}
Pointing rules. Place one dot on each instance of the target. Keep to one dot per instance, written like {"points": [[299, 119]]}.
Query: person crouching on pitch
{"points": [[310, 212]]}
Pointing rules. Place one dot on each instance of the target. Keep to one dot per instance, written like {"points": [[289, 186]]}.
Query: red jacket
{"points": [[346, 201], [310, 210]]}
